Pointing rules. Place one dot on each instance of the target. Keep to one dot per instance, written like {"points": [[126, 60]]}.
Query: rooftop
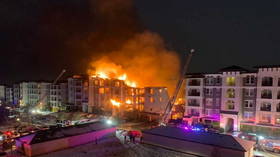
{"points": [[233, 68], [61, 132], [214, 139]]}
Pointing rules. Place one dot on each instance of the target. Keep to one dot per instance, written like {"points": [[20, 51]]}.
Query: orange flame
{"points": [[115, 103]]}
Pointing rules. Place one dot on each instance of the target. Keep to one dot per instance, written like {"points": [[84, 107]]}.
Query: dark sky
{"points": [[41, 37]]}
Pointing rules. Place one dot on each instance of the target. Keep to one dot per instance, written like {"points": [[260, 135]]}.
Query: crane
{"points": [[173, 98]]}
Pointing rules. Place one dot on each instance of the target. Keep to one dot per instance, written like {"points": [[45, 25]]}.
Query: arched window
{"points": [[266, 94], [230, 105], [230, 81], [230, 93]]}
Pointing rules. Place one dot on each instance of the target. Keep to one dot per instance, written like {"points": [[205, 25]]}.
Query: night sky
{"points": [[41, 37]]}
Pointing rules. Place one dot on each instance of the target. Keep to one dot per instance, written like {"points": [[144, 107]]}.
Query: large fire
{"points": [[111, 73], [141, 61]]}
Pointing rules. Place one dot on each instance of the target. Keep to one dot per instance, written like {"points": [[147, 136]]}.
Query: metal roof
{"points": [[214, 139], [61, 132]]}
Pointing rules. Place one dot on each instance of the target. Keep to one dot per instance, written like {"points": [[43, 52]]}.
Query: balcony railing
{"points": [[266, 96], [194, 94], [193, 104], [194, 114], [194, 83], [267, 83], [266, 108]]}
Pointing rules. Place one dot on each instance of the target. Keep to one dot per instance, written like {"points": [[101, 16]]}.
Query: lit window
{"points": [[152, 100], [101, 90], [230, 105], [230, 93], [230, 81]]}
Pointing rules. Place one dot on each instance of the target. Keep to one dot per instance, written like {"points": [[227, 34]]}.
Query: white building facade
{"points": [[235, 97]]}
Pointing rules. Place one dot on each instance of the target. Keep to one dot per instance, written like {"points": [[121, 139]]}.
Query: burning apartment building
{"points": [[117, 97]]}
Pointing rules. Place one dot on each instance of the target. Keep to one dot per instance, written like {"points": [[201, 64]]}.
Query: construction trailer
{"points": [[51, 140], [202, 144]]}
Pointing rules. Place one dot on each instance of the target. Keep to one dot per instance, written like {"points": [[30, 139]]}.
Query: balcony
{"points": [[266, 96], [194, 83], [193, 94], [265, 108], [193, 104]]}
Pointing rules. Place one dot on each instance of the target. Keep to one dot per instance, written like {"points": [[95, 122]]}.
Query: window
{"points": [[249, 92], [209, 81], [278, 107], [193, 102], [208, 112], [230, 93], [208, 91], [230, 105], [265, 106], [266, 94], [152, 100], [267, 81], [278, 95], [248, 115], [193, 112], [230, 81], [194, 82], [101, 91], [151, 91], [218, 80], [277, 119], [194, 92], [250, 79], [209, 102], [248, 103]]}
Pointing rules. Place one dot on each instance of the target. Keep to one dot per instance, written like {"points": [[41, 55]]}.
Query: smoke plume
{"points": [[138, 53]]}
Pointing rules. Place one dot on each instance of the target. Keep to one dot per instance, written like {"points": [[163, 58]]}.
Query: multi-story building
{"points": [[9, 95], [147, 100], [58, 96], [236, 97], [2, 93], [34, 93], [78, 92], [16, 95], [103, 91]]}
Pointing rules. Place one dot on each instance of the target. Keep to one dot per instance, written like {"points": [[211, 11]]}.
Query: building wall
{"points": [[63, 143], [155, 99], [2, 93], [255, 100], [78, 91]]}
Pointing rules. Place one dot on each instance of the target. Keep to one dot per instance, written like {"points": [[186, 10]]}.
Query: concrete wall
{"points": [[192, 147], [63, 143]]}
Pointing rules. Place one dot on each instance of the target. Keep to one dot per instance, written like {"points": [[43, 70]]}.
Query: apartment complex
{"points": [[34, 93], [148, 100], [58, 96], [235, 97], [78, 92]]}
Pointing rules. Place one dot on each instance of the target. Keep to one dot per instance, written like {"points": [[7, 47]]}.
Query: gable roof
{"points": [[218, 140]]}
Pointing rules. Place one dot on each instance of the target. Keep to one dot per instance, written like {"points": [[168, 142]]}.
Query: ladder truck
{"points": [[168, 109]]}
